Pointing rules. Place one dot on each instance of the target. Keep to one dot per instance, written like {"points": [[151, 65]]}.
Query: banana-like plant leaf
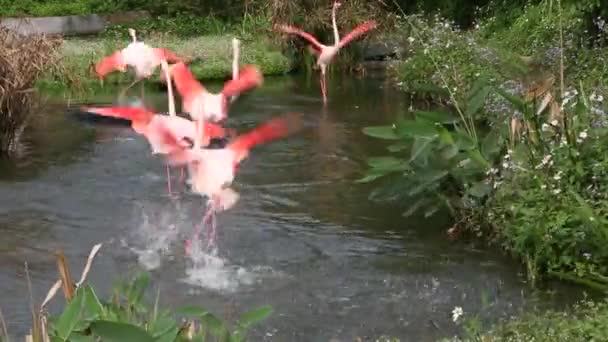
{"points": [[381, 132], [477, 100], [119, 332], [437, 117], [415, 128]]}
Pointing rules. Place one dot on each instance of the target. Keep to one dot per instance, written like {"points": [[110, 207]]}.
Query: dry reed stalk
{"points": [[23, 60], [66, 278]]}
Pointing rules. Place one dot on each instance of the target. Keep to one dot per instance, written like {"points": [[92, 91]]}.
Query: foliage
{"points": [[22, 62], [126, 317], [587, 321], [210, 58]]}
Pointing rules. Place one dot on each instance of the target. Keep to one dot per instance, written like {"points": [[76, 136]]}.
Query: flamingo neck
{"points": [[235, 59], [165, 67], [335, 25]]}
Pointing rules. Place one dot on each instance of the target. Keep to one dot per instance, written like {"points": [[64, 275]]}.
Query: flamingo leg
{"points": [[212, 230], [169, 180], [182, 175], [142, 91], [323, 82], [209, 212], [124, 91]]}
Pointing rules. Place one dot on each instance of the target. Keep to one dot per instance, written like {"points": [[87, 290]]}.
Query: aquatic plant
{"points": [[23, 60], [125, 316]]}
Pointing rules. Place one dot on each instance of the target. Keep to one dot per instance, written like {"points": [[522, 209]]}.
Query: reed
{"points": [[23, 60]]}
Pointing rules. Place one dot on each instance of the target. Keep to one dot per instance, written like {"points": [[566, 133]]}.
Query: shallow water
{"points": [[303, 237]]}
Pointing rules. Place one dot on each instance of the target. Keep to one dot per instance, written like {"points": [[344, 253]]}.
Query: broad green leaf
{"points": [[371, 176], [161, 325], [477, 100], [168, 336], [463, 141], [398, 147], [476, 156], [437, 117], [92, 303], [517, 102], [415, 128], [481, 82], [420, 147], [137, 289], [386, 163], [492, 143], [78, 337], [381, 132], [430, 88], [191, 311], [428, 179], [70, 316], [412, 209], [255, 315], [445, 136], [480, 189], [214, 324], [119, 332]]}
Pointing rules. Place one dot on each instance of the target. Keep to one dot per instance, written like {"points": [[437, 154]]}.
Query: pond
{"points": [[304, 238]]}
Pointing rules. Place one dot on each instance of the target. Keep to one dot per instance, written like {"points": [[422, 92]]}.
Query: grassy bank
{"points": [[587, 321], [211, 58], [508, 132]]}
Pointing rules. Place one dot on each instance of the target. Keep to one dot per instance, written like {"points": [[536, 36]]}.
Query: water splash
{"points": [[154, 232], [209, 270]]}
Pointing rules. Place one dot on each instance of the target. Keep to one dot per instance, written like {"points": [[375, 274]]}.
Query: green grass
{"points": [[211, 59], [587, 321]]}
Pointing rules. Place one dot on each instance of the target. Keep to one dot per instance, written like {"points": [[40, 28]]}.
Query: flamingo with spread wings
{"points": [[212, 171], [143, 58], [202, 104], [149, 124], [326, 53]]}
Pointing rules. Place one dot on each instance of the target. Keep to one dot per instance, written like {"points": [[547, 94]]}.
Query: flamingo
{"points": [[212, 171], [147, 123], [326, 53], [199, 103], [235, 63], [140, 56]]}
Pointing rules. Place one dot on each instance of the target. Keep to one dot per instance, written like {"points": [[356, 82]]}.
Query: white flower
{"points": [[557, 191], [558, 176], [546, 127], [583, 135], [411, 39], [505, 165], [543, 187], [456, 313], [554, 123], [587, 255]]}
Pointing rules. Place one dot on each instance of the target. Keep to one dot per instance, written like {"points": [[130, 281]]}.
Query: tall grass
{"points": [[23, 60]]}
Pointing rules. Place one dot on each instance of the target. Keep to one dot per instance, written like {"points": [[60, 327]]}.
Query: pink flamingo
{"points": [[212, 171], [140, 56], [149, 124], [326, 53], [200, 103]]}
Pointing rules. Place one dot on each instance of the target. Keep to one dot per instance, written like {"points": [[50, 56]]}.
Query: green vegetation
{"points": [[211, 57], [585, 322], [126, 317], [509, 135]]}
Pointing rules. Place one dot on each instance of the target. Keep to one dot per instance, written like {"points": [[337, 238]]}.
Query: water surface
{"points": [[303, 238]]}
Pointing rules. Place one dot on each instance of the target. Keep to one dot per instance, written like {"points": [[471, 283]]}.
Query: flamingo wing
{"points": [[264, 133], [167, 55], [315, 44], [130, 113], [249, 77], [106, 65], [186, 84], [357, 32]]}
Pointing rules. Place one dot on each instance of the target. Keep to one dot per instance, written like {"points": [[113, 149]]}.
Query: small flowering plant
{"points": [[552, 207]]}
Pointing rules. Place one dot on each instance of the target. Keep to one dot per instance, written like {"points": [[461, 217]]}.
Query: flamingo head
{"points": [[108, 64]]}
